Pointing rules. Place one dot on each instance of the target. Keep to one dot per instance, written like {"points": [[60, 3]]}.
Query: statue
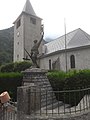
{"points": [[34, 50]]}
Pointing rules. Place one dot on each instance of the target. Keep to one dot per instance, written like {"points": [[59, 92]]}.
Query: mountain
{"points": [[6, 45]]}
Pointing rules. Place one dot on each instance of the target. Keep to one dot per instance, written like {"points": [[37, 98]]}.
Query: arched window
{"points": [[18, 23], [49, 64], [72, 61]]}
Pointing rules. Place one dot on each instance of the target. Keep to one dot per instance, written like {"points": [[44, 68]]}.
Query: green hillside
{"points": [[6, 45]]}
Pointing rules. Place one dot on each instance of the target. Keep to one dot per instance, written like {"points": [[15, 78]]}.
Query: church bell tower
{"points": [[27, 28]]}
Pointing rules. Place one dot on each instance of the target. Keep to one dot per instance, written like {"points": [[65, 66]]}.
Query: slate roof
{"points": [[28, 8], [74, 39]]}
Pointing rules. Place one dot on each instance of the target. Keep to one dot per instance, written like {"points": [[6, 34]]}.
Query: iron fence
{"points": [[48, 103], [58, 102], [8, 112]]}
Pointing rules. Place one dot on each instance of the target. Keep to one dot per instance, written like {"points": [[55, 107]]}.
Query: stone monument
{"points": [[34, 79]]}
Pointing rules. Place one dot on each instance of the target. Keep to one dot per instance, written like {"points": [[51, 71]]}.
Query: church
{"points": [[70, 51]]}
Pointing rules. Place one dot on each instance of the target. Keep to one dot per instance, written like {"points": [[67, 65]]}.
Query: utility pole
{"points": [[65, 45]]}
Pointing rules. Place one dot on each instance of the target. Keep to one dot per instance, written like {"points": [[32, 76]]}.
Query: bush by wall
{"points": [[9, 82], [21, 66], [77, 79], [57, 79], [7, 68], [15, 67], [72, 80]]}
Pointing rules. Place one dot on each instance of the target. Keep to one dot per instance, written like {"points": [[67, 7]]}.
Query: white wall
{"points": [[18, 41], [32, 32], [82, 59]]}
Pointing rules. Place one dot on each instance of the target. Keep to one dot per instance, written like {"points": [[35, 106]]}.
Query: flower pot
{"points": [[4, 97]]}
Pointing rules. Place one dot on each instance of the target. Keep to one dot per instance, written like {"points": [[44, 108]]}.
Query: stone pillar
{"points": [[28, 100]]}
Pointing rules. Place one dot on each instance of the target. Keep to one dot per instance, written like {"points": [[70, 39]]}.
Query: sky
{"points": [[53, 12]]}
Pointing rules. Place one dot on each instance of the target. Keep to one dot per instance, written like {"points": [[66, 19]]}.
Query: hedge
{"points": [[57, 79], [15, 67], [9, 82], [72, 80]]}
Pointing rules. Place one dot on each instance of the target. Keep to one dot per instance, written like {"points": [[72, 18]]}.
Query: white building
{"points": [[53, 55], [76, 55]]}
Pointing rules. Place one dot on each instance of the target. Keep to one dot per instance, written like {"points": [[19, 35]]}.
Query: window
{"points": [[18, 34], [18, 23], [17, 57], [33, 20], [18, 43], [49, 64], [72, 61]]}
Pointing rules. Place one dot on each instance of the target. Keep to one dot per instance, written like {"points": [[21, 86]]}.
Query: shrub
{"points": [[21, 66], [77, 80], [7, 68], [56, 79], [15, 67], [9, 82], [72, 80]]}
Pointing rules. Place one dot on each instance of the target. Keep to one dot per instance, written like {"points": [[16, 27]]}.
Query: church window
{"points": [[17, 57], [33, 20], [18, 23], [18, 34], [72, 61], [18, 43], [49, 64]]}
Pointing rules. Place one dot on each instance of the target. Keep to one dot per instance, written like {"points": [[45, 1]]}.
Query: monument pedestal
{"points": [[36, 91], [38, 78]]}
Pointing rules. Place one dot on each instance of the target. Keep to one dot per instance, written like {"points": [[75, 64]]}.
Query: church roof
{"points": [[74, 39], [28, 8]]}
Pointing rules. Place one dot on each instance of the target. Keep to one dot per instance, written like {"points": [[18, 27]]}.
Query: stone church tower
{"points": [[27, 28]]}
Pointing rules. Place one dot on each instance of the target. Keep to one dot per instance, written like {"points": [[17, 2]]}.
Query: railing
{"points": [[7, 112], [66, 102], [48, 103]]}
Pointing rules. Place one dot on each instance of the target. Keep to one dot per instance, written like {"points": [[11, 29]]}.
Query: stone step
{"points": [[57, 104], [43, 103], [49, 100], [46, 88]]}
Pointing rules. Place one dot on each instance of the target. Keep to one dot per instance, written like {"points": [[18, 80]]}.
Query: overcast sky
{"points": [[53, 12]]}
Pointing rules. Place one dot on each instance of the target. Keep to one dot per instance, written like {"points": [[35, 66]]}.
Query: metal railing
{"points": [[48, 103], [7, 112], [58, 102]]}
